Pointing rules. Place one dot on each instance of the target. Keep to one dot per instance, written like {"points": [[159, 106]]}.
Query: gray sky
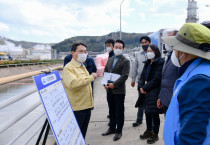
{"points": [[52, 21]]}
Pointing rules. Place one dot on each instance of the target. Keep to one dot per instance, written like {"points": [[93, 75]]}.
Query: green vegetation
{"points": [[96, 43]]}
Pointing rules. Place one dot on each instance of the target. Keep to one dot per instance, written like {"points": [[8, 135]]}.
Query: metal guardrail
{"points": [[16, 118], [28, 127], [14, 99], [6, 125], [27, 64], [25, 75]]}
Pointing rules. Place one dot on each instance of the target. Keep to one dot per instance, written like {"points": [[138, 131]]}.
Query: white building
{"points": [[41, 51]]}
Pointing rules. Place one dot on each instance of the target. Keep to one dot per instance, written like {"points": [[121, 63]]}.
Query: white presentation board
{"points": [[58, 109]]}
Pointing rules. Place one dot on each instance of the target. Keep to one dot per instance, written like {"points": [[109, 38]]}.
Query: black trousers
{"points": [[107, 98], [153, 122], [165, 108], [83, 118], [116, 106]]}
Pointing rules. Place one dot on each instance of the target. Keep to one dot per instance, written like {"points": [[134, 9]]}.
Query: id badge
{"points": [[145, 82]]}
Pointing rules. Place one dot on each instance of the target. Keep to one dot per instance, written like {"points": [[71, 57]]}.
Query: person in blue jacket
{"points": [[187, 120]]}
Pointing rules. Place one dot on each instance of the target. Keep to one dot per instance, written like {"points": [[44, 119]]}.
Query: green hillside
{"points": [[96, 43]]}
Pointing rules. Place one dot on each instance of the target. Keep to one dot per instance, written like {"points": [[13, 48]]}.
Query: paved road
{"points": [[98, 123]]}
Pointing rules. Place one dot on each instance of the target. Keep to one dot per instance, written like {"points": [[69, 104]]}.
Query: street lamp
{"points": [[120, 19]]}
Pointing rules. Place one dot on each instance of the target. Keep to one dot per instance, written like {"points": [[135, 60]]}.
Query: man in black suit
{"points": [[117, 64]]}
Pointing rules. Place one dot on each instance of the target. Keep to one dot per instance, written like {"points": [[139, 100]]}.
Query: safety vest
{"points": [[172, 122]]}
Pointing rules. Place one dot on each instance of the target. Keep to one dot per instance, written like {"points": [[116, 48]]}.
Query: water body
{"points": [[14, 88], [17, 87], [10, 90]]}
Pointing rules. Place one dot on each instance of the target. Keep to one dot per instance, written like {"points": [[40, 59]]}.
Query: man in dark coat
{"points": [[117, 64], [169, 76], [109, 48]]}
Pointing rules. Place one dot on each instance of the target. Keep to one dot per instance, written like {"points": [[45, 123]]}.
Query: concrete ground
{"points": [[99, 120]]}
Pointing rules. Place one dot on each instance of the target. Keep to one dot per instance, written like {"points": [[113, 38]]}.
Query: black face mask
{"points": [[145, 47]]}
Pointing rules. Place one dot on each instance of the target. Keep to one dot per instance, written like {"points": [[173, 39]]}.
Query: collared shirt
{"points": [[81, 64], [116, 58], [77, 83]]}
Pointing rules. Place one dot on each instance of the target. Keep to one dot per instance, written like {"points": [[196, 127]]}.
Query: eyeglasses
{"points": [[81, 51]]}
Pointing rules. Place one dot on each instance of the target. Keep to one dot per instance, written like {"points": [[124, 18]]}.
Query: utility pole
{"points": [[120, 20]]}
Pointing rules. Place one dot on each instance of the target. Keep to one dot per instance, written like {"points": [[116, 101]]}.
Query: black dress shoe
{"points": [[117, 136], [108, 132], [136, 124]]}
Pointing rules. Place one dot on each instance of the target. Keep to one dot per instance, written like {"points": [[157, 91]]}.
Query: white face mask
{"points": [[108, 49], [175, 60], [168, 48], [150, 55], [117, 52], [81, 58]]}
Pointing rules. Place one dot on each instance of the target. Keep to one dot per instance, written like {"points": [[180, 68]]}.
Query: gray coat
{"points": [[138, 65], [122, 67], [169, 76]]}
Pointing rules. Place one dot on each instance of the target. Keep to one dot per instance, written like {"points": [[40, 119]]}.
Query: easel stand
{"points": [[46, 123]]}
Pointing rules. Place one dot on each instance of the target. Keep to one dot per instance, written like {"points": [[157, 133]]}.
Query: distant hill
{"points": [[96, 43]]}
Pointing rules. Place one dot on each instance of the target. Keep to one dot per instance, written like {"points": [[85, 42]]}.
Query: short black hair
{"points": [[146, 38], [110, 41], [120, 41], [206, 23], [74, 46], [156, 50]]}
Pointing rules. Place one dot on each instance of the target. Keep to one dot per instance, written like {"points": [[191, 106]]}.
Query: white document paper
{"points": [[109, 76]]}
